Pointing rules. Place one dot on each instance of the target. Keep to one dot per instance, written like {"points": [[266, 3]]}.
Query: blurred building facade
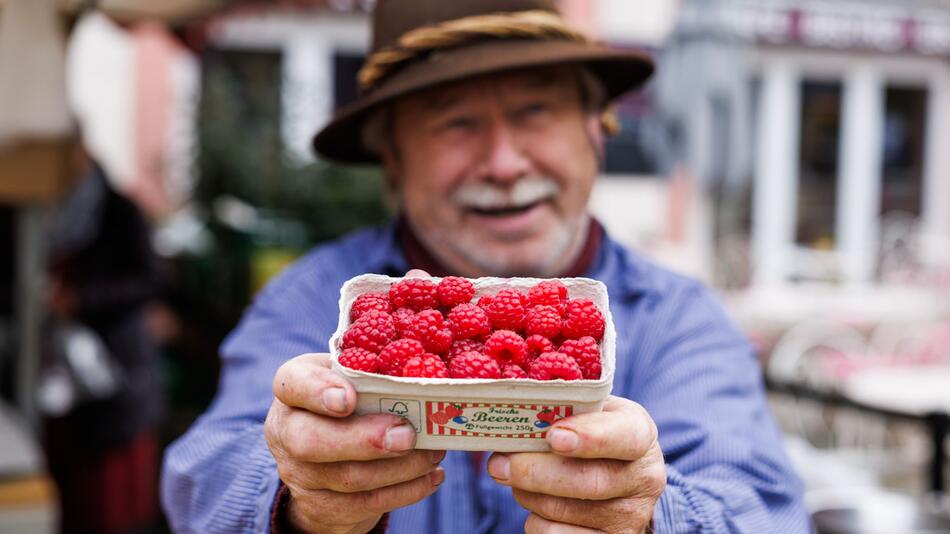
{"points": [[825, 118], [810, 138]]}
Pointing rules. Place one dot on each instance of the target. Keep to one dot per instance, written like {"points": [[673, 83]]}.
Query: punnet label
{"points": [[479, 419]]}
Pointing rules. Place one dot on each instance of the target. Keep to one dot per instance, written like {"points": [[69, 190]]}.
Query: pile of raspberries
{"points": [[428, 330]]}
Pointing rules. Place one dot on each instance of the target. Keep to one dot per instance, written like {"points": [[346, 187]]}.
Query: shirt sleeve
{"points": [[220, 476], [726, 467]]}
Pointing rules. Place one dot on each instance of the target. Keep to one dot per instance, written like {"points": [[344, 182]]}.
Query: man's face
{"points": [[494, 174]]}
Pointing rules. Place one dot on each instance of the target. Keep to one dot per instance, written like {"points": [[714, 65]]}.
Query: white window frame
{"points": [[864, 77], [308, 42]]}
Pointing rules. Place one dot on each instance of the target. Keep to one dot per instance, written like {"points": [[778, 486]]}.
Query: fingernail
{"points": [[436, 456], [399, 438], [499, 467], [563, 440], [334, 400], [437, 476]]}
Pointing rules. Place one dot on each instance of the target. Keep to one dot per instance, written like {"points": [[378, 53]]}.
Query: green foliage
{"points": [[242, 153]]}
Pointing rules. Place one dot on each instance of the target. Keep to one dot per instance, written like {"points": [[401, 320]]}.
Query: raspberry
{"points": [[426, 366], [506, 310], [453, 291], [473, 364], [394, 357], [547, 293], [369, 301], [538, 345], [582, 318], [415, 293], [402, 318], [372, 331], [586, 352], [429, 328], [507, 347], [543, 320], [440, 342], [468, 321], [513, 371], [554, 365], [360, 359], [464, 345]]}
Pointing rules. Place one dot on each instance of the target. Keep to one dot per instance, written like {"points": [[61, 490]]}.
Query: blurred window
{"points": [[818, 163], [630, 152], [346, 67], [239, 124], [903, 149]]}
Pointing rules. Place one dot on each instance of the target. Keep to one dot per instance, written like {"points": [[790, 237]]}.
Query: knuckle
{"points": [[555, 508], [647, 428], [377, 500], [599, 482], [415, 490], [521, 471], [531, 525], [294, 438], [632, 511], [351, 477], [271, 424], [654, 479], [287, 471], [599, 439]]}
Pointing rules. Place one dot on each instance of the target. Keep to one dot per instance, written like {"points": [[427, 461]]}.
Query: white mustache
{"points": [[523, 193]]}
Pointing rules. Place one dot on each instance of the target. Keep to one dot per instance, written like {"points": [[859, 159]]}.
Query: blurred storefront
{"points": [[818, 131]]}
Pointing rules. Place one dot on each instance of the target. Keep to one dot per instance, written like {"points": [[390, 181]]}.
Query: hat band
{"points": [[536, 24]]}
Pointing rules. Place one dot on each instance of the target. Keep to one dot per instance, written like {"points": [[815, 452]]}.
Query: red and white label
{"points": [[492, 420]]}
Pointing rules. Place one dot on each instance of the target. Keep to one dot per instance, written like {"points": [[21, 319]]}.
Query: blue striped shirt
{"points": [[677, 354]]}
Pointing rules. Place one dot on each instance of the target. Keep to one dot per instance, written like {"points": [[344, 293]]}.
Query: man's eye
{"points": [[534, 109], [461, 123]]}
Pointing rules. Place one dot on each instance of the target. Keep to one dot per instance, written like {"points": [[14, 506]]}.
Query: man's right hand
{"points": [[343, 471]]}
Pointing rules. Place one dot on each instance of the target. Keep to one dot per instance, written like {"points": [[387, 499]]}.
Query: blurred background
{"points": [[155, 172]]}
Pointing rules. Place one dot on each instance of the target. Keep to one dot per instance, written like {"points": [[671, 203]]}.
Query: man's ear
{"points": [[595, 132], [390, 164], [389, 161]]}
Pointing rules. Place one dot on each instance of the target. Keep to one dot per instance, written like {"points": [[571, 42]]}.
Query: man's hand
{"points": [[605, 475], [343, 472]]}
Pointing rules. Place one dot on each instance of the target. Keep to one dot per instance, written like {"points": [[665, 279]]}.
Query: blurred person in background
{"points": [[486, 117], [103, 451]]}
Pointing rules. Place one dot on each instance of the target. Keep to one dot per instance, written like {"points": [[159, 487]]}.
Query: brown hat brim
{"points": [[620, 71]]}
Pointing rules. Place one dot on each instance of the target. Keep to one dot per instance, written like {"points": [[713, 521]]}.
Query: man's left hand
{"points": [[606, 473]]}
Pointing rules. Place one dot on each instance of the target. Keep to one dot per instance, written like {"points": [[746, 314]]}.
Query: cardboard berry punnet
{"points": [[504, 415]]}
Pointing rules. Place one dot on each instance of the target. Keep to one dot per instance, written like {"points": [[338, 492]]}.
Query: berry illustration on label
{"points": [[440, 417], [545, 418]]}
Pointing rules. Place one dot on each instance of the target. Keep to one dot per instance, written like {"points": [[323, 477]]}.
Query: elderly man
{"points": [[486, 117]]}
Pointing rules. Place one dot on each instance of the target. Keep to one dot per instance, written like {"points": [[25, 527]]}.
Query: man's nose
{"points": [[506, 160]]}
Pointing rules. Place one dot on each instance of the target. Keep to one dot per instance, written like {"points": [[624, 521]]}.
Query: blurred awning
{"points": [[32, 80], [169, 11]]}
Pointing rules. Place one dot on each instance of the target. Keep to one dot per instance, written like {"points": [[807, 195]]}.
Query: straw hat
{"points": [[418, 44]]}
